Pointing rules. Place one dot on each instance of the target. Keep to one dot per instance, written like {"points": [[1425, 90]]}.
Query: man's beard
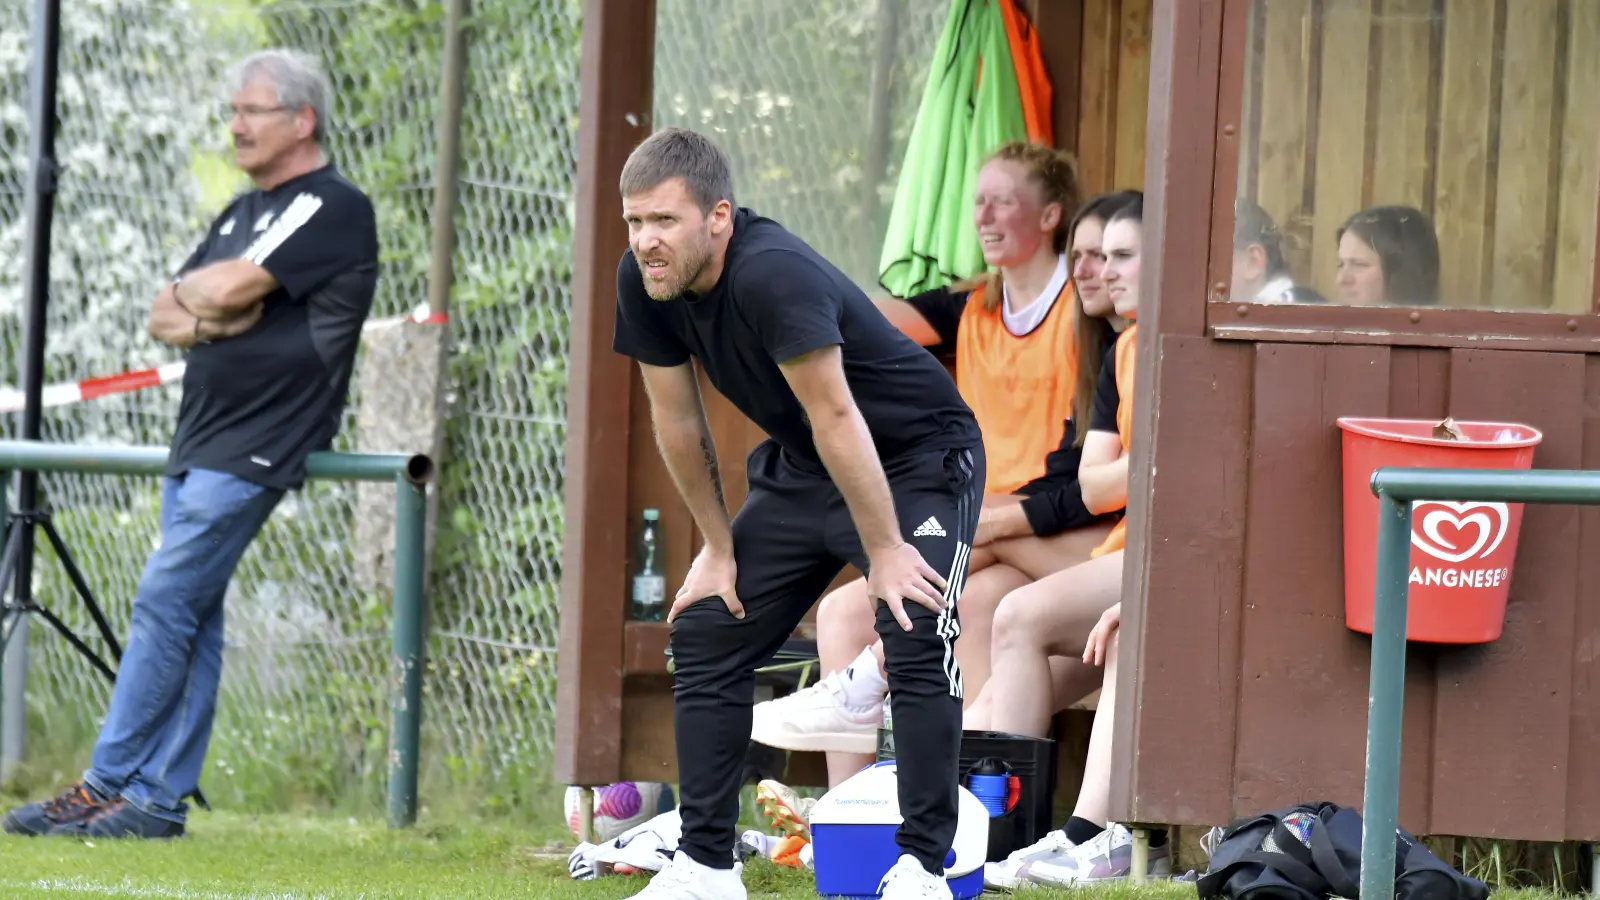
{"points": [[693, 263]]}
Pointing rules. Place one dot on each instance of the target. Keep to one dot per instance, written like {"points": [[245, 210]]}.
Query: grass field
{"points": [[236, 857]]}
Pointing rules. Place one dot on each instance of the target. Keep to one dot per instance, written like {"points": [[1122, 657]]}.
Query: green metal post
{"points": [[406, 705], [41, 456], [11, 691], [1385, 699]]}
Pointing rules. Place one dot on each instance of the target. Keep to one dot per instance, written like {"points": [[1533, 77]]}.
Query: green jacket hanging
{"points": [[970, 106]]}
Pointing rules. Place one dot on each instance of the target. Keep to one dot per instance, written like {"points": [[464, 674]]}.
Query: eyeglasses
{"points": [[249, 112]]}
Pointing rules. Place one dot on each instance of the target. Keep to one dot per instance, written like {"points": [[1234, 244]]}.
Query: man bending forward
{"points": [[872, 458]]}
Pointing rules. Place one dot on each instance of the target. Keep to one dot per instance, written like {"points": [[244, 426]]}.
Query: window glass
{"points": [[1419, 153]]}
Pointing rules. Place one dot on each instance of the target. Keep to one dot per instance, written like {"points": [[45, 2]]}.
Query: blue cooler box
{"points": [[852, 837]]}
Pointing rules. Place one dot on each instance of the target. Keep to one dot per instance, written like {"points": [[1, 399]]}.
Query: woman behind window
{"points": [[1388, 256]]}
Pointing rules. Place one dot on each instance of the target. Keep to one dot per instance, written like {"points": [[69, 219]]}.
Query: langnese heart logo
{"points": [[1429, 532]]}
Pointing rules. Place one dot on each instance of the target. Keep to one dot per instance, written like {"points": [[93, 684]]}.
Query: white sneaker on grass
{"points": [[821, 717], [1109, 857], [1012, 872], [908, 880], [685, 879]]}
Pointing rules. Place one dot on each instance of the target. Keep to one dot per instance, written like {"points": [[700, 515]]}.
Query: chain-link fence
{"points": [[303, 712], [813, 102]]}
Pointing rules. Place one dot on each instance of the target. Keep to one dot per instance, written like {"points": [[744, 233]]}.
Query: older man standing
{"points": [[270, 307]]}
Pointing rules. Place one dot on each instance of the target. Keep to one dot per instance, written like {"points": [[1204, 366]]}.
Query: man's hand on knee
{"points": [[713, 574], [899, 574]]}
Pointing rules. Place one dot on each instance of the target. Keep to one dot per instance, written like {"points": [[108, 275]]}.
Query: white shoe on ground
{"points": [[685, 879], [1012, 872], [908, 880]]}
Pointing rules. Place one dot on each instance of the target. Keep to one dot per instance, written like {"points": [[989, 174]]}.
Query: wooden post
{"points": [[615, 101]]}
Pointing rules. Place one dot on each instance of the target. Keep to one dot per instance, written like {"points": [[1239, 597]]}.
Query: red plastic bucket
{"points": [[1461, 553]]}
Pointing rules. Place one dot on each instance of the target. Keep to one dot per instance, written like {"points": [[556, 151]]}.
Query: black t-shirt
{"points": [[942, 308], [777, 299], [257, 404], [1106, 397], [1054, 501]]}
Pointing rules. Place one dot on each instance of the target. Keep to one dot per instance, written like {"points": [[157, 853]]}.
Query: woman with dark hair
{"points": [[1098, 332], [1388, 256]]}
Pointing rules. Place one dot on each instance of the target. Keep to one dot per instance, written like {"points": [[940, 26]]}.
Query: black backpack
{"points": [[1313, 852]]}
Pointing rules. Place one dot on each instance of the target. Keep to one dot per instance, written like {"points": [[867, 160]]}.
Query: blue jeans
{"points": [[153, 744]]}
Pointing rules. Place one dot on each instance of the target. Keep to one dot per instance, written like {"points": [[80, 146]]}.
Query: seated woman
{"points": [[1028, 341], [1071, 617], [1260, 273], [1388, 256]]}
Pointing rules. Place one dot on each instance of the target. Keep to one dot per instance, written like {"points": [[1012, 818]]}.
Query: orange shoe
{"points": [[788, 851], [787, 811]]}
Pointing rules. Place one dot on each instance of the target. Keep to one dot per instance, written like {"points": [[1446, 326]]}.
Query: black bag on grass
{"points": [[1313, 852]]}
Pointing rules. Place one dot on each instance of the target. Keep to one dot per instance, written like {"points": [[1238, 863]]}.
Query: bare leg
{"points": [[1094, 797], [844, 626], [1071, 680], [1052, 617], [1040, 557]]}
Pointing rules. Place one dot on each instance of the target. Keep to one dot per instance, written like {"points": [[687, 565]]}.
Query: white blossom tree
{"points": [[138, 101]]}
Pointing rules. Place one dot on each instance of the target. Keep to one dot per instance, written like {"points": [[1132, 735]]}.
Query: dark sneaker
{"points": [[75, 804], [120, 819]]}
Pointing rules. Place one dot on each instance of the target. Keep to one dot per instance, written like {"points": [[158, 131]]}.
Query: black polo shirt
{"points": [[258, 404]]}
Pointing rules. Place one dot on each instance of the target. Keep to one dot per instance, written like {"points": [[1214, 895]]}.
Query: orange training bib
{"points": [[1020, 388], [1127, 354]]}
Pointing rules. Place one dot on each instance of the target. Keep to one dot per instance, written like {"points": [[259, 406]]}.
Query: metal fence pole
{"points": [[1385, 699], [13, 676], [406, 705]]}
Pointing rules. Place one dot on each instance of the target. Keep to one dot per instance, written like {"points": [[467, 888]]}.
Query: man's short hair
{"points": [[297, 77], [1252, 225], [680, 153]]}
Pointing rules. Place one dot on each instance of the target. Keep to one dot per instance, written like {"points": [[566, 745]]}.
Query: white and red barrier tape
{"points": [[69, 392]]}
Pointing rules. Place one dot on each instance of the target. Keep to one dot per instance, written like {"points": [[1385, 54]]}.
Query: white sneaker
{"points": [[1109, 857], [1012, 872], [908, 880], [685, 879], [817, 718]]}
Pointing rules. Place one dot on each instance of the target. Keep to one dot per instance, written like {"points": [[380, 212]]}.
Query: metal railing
{"points": [[1397, 489], [410, 473]]}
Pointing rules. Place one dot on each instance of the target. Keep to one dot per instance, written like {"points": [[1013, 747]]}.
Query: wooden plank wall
{"points": [[1251, 638], [1473, 111], [1114, 103]]}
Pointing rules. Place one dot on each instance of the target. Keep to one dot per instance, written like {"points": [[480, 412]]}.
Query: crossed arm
{"points": [[221, 300]]}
